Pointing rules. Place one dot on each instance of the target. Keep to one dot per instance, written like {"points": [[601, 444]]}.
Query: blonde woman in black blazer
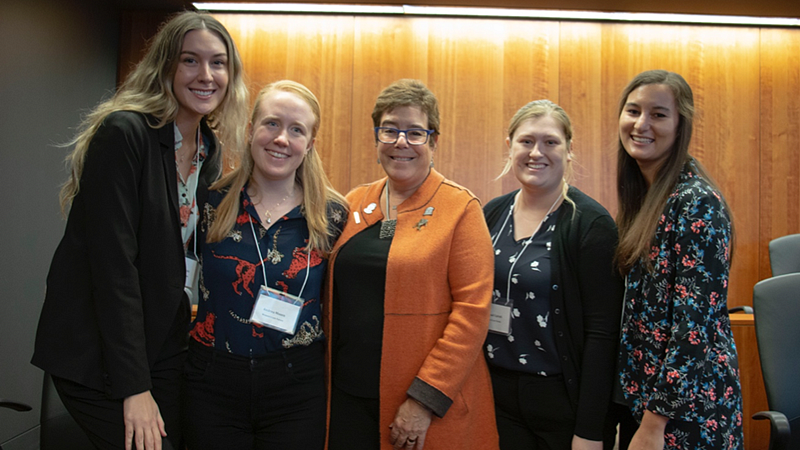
{"points": [[113, 329]]}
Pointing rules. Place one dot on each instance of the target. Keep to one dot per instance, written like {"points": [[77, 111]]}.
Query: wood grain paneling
{"points": [[276, 47], [780, 138]]}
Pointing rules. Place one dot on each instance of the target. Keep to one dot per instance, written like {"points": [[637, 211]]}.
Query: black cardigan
{"points": [[586, 303], [115, 287]]}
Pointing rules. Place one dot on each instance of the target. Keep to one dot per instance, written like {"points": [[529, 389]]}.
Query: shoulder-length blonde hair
{"points": [[535, 110], [148, 90], [640, 206], [318, 192]]}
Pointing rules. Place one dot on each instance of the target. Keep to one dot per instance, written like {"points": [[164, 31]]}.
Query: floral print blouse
{"points": [[233, 273], [677, 354], [187, 189]]}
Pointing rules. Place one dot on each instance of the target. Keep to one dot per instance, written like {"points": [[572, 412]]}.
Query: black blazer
{"points": [[115, 287]]}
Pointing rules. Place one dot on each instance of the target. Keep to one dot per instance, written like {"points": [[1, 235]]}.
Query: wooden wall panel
{"points": [[584, 98], [531, 60], [275, 47], [481, 71], [780, 138]]}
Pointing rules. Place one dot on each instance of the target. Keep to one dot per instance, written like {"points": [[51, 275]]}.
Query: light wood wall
{"points": [[746, 83]]}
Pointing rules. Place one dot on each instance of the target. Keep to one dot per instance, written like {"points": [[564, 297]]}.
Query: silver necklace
{"points": [[387, 226]]}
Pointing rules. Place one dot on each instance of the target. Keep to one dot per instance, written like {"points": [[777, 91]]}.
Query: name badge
{"points": [[277, 310], [192, 277], [500, 319]]}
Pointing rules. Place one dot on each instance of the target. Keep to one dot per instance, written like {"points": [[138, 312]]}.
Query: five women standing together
{"points": [[417, 283]]}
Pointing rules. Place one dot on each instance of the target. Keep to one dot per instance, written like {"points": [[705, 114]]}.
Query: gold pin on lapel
{"points": [[420, 224]]}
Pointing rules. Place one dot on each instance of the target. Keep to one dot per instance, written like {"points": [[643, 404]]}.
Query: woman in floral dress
{"points": [[678, 367]]}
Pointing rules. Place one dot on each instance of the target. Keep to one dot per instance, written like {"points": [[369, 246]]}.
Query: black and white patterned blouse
{"points": [[530, 347]]}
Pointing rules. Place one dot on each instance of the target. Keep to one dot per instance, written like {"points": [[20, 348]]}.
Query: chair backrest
{"points": [[784, 254], [776, 305]]}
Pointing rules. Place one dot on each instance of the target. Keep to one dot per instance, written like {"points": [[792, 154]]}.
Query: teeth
{"points": [[642, 140], [277, 155], [536, 165], [397, 158], [204, 93]]}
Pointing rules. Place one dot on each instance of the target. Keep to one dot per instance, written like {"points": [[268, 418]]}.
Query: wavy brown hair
{"points": [[640, 206], [148, 90]]}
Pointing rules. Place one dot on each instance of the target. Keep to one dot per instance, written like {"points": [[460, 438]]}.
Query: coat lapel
{"points": [[166, 139]]}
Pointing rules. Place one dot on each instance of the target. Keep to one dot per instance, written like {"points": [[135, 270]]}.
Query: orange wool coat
{"points": [[439, 280]]}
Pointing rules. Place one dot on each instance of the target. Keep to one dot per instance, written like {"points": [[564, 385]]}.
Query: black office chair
{"points": [[16, 406], [776, 304], [784, 254]]}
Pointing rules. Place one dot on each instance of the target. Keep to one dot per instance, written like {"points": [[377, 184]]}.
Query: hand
{"points": [[650, 434], [410, 425], [143, 423], [579, 443]]}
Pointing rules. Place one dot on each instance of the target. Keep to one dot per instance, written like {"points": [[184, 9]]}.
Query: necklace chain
{"points": [[267, 211]]}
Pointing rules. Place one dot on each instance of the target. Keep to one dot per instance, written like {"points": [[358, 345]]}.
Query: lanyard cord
{"points": [[196, 162], [264, 268], [527, 241]]}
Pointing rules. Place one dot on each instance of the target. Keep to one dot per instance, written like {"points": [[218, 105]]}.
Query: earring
{"points": [[379, 161], [431, 162]]}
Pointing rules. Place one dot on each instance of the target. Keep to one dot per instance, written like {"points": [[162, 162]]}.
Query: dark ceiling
{"points": [[153, 5]]}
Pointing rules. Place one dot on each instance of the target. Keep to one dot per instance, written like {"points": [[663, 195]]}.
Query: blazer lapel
{"points": [[166, 138]]}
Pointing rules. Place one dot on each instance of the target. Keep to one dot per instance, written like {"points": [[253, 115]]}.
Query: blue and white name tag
{"points": [[277, 310]]}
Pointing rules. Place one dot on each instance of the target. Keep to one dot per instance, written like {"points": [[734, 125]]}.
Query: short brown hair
{"points": [[407, 92]]}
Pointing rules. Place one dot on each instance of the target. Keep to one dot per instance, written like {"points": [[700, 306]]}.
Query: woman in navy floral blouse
{"points": [[678, 367], [255, 366]]}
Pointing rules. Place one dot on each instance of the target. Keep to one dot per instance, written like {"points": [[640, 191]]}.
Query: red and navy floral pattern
{"points": [[677, 355], [233, 274]]}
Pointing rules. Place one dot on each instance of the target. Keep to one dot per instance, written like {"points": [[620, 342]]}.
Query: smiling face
{"points": [[648, 126], [280, 136], [539, 153], [406, 165], [201, 77]]}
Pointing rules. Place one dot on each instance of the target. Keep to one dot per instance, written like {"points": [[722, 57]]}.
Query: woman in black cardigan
{"points": [[557, 299], [113, 329]]}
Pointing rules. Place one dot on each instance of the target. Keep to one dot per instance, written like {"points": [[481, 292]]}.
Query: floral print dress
{"points": [[677, 354]]}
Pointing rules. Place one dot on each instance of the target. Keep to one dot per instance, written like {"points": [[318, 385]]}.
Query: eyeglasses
{"points": [[414, 136]]}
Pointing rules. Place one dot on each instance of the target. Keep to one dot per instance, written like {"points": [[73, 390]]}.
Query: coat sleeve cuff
{"points": [[430, 397]]}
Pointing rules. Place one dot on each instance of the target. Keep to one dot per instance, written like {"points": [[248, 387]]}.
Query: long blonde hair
{"points": [[148, 90], [318, 192], [640, 206], [535, 110]]}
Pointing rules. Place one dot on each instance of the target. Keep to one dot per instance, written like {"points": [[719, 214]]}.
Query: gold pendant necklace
{"points": [[268, 214]]}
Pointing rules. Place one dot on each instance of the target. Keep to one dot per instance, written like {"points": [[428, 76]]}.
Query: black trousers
{"points": [[355, 422], [102, 418], [272, 402], [533, 412]]}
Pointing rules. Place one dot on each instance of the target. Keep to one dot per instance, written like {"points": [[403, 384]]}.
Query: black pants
{"points": [[271, 402], [533, 412], [355, 422], [102, 418], [619, 416]]}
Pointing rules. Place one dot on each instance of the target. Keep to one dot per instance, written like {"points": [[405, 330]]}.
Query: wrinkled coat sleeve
{"points": [[109, 185], [470, 278]]}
